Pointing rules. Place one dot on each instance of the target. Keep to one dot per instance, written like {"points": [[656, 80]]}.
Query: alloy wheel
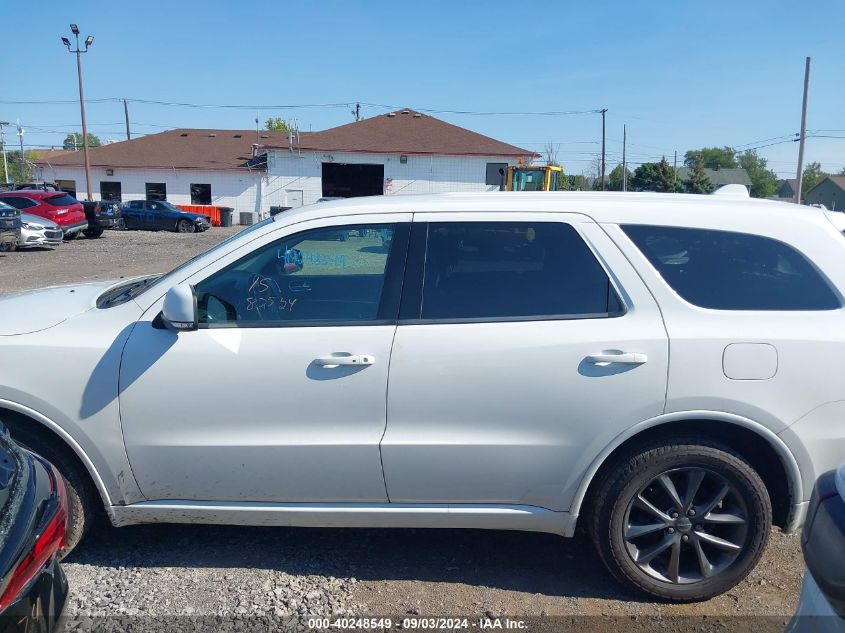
{"points": [[686, 525]]}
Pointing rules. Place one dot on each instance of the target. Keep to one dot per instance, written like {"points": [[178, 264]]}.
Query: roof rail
{"points": [[732, 190]]}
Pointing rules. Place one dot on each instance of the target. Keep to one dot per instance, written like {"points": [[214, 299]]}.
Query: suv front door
{"points": [[251, 406], [523, 349]]}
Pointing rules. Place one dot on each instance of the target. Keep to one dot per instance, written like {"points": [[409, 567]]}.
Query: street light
{"points": [[78, 51], [3, 143]]}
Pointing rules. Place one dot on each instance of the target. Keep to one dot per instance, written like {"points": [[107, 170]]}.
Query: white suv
{"points": [[667, 368]]}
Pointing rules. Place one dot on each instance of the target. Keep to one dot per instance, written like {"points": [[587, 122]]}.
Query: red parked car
{"points": [[58, 206]]}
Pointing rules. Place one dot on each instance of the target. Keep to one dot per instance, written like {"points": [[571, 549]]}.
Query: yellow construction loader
{"points": [[534, 178]]}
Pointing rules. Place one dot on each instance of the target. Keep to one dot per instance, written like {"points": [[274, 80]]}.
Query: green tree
{"points": [[764, 182], [74, 141], [276, 124], [658, 177], [19, 171], [615, 178], [712, 157], [813, 175], [697, 180]]}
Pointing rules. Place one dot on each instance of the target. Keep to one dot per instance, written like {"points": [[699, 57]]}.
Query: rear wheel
{"points": [[682, 520], [185, 226], [82, 498]]}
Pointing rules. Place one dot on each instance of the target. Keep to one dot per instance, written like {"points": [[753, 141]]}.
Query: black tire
{"points": [[185, 226], [93, 233], [634, 514], [82, 498], [69, 237], [8, 247]]}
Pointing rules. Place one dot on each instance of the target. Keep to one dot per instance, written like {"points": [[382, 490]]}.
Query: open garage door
{"points": [[345, 180]]}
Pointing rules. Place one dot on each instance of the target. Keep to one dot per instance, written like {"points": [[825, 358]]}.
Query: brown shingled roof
{"points": [[402, 132], [182, 148], [405, 132]]}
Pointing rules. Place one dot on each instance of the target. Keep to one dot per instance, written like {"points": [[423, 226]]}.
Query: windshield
{"points": [[528, 180], [122, 294], [61, 200]]}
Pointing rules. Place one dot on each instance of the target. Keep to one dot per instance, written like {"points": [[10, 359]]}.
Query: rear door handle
{"points": [[345, 359], [303, 287], [621, 358]]}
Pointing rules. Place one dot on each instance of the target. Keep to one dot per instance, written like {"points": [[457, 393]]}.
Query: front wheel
{"points": [[82, 498], [69, 237], [681, 520], [8, 247], [93, 233], [185, 226]]}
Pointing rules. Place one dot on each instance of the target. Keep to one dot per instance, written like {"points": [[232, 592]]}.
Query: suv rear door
{"points": [[523, 348]]}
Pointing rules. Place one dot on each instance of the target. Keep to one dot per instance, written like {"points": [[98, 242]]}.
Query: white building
{"points": [[397, 153]]}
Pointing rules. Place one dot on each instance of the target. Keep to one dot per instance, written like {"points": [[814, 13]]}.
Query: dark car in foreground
{"points": [[33, 524], [56, 206], [160, 215], [822, 604], [101, 215], [10, 227]]}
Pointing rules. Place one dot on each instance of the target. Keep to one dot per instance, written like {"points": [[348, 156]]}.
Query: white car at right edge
{"points": [[666, 370]]}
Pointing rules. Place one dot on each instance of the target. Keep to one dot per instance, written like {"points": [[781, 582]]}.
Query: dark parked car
{"points": [[10, 227], [33, 523], [822, 604], [57, 206], [160, 215], [101, 215]]}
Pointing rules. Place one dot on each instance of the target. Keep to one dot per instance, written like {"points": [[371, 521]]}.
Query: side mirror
{"points": [[180, 308]]}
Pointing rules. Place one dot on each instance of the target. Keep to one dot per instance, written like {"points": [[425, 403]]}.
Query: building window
{"points": [[156, 191], [494, 176], [68, 186], [200, 194], [110, 191]]}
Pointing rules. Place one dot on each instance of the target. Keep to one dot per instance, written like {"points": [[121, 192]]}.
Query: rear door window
{"points": [[512, 271], [18, 202], [724, 270]]}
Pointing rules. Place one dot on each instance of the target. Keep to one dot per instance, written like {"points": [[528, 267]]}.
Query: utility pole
{"points": [[20, 138], [3, 143], [88, 41], [603, 111], [800, 174], [624, 155], [357, 111], [675, 164], [126, 116]]}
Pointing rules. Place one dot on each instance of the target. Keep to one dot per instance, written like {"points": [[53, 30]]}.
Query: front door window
{"points": [[327, 275]]}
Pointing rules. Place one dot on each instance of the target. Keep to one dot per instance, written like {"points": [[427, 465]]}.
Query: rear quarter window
{"points": [[724, 270]]}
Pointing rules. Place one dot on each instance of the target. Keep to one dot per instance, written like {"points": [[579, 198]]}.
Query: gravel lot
{"points": [[209, 570]]}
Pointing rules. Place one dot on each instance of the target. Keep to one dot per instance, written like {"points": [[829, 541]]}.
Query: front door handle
{"points": [[621, 358], [345, 359], [302, 287]]}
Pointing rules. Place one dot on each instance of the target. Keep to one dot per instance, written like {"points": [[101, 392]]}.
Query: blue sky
{"points": [[680, 74]]}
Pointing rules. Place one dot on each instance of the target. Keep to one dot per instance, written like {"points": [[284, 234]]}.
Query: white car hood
{"points": [[37, 310]]}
